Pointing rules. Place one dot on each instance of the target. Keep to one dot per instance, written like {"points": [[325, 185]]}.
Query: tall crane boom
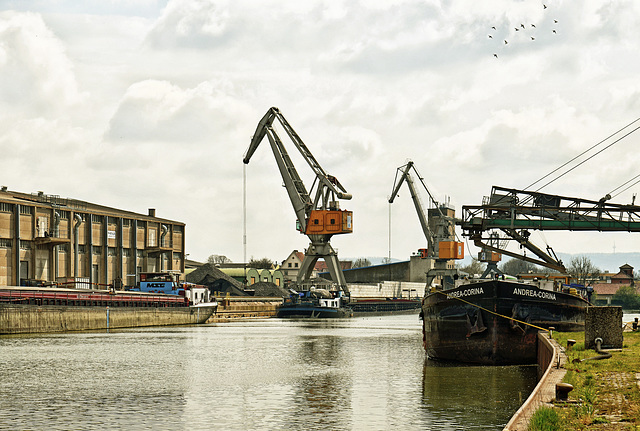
{"points": [[403, 175], [440, 233], [319, 218], [516, 212]]}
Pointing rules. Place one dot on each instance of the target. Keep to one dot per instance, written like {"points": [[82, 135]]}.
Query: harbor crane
{"points": [[517, 212], [319, 218], [438, 226]]}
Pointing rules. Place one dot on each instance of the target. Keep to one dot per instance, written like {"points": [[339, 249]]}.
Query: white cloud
{"points": [[154, 106], [36, 77]]}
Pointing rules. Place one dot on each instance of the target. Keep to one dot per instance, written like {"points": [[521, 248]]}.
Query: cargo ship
{"points": [[495, 321], [46, 309]]}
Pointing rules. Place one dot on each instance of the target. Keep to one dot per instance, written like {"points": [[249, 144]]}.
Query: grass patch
{"points": [[594, 388], [545, 419]]}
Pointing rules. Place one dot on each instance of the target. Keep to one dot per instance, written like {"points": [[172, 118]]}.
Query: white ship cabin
{"points": [[196, 294], [330, 303]]}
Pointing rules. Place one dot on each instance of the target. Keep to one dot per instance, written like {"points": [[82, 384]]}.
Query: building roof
{"points": [[321, 265], [609, 288], [69, 204], [605, 288]]}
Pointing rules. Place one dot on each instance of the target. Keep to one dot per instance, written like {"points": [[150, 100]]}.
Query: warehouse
{"points": [[46, 240]]}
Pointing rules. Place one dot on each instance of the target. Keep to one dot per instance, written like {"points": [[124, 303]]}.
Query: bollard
{"points": [[635, 324], [570, 343], [562, 391]]}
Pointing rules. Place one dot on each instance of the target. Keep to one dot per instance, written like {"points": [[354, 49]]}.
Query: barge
{"points": [[37, 310], [367, 307], [321, 303], [495, 322], [316, 303]]}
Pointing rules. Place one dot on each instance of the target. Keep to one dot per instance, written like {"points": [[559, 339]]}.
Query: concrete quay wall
{"points": [[24, 319], [551, 361]]}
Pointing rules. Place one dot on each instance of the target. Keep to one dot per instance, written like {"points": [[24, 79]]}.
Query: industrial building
{"points": [[48, 240]]}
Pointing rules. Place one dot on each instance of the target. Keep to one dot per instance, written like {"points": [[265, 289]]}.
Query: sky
{"points": [[143, 104]]}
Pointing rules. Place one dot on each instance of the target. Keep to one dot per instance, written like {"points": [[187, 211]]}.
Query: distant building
{"points": [[605, 291], [625, 276], [48, 240], [291, 266]]}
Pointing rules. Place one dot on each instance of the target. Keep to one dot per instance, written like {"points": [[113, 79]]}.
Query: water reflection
{"points": [[361, 373], [476, 397]]}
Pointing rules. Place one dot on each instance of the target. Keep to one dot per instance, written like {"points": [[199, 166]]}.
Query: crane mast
{"points": [[319, 218], [440, 233]]}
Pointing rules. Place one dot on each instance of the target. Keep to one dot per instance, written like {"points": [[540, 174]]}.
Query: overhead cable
{"points": [[587, 159], [581, 154]]}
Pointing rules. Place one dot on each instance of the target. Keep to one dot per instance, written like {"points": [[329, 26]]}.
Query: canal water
{"points": [[351, 374]]}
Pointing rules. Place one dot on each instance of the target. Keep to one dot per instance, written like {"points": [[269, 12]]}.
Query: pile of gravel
{"points": [[210, 272], [269, 290]]}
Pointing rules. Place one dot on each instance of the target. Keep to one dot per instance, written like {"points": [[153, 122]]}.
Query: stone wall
{"points": [[605, 323], [24, 319], [387, 289]]}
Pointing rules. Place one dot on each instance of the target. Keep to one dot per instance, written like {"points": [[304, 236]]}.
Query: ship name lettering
{"points": [[534, 293], [467, 292]]}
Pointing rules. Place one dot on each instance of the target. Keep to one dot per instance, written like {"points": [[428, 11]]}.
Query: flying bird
{"points": [[555, 31], [555, 21], [493, 28], [495, 55], [545, 6], [505, 42], [522, 25], [533, 38], [517, 29], [490, 37], [533, 25]]}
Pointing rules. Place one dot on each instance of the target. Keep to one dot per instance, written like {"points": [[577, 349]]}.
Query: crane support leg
{"points": [[325, 251]]}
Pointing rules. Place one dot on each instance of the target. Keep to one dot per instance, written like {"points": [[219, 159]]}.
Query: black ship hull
{"points": [[489, 322], [312, 311], [368, 307]]}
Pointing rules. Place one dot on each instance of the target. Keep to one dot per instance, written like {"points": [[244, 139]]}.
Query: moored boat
{"points": [[315, 303], [495, 322], [36, 310], [367, 307]]}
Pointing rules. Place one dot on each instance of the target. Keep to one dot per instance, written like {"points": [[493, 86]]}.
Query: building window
{"points": [[24, 210], [126, 252], [25, 245], [6, 207], [111, 220], [296, 264], [97, 249], [5, 243], [177, 256], [95, 218], [138, 253], [289, 264], [142, 224], [177, 229], [111, 251], [64, 215], [152, 238], [82, 249], [126, 222], [63, 248]]}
